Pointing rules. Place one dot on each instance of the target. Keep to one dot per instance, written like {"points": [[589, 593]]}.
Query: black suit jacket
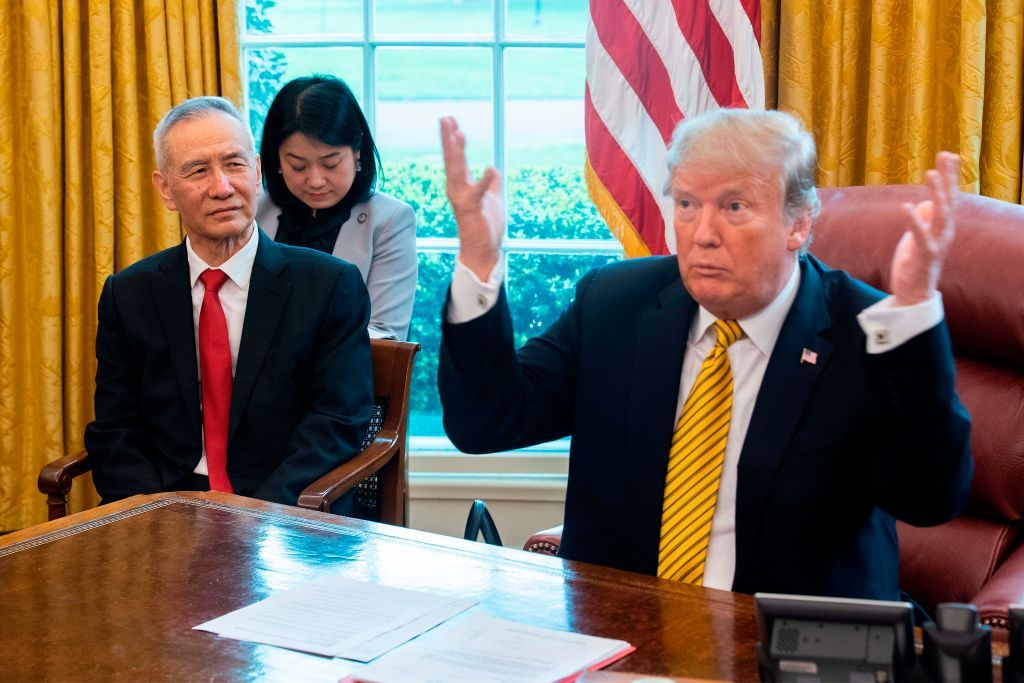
{"points": [[834, 450], [303, 386]]}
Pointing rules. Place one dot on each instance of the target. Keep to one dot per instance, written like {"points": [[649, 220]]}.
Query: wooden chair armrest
{"points": [[56, 477], [321, 493]]}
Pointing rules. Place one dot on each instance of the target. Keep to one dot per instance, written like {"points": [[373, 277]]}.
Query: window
{"points": [[512, 72]]}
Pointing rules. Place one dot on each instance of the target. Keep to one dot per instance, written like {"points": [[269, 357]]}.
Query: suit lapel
{"points": [[654, 390], [773, 421], [268, 293], [172, 300]]}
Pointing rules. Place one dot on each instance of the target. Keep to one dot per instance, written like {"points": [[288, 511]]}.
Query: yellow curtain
{"points": [[85, 83], [885, 84]]}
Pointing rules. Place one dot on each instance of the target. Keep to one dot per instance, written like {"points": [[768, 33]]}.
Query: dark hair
{"points": [[322, 108]]}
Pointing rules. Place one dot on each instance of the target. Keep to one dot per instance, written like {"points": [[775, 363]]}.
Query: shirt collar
{"points": [[238, 267], [763, 327]]}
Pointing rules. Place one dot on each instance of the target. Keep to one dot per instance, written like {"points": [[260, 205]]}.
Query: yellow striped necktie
{"points": [[695, 464]]}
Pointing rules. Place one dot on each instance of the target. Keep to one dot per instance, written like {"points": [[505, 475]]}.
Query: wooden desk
{"points": [[114, 592]]}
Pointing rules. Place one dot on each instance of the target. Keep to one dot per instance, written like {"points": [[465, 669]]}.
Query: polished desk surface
{"points": [[114, 592]]}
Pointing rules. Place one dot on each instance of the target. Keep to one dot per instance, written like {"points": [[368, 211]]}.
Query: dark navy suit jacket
{"points": [[303, 386], [835, 449]]}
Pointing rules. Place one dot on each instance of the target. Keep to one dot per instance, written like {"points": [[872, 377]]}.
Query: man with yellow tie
{"points": [[742, 417]]}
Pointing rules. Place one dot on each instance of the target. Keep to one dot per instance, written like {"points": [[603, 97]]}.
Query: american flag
{"points": [[650, 63]]}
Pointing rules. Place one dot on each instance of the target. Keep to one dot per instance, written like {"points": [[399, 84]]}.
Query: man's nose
{"points": [[221, 185], [706, 231]]}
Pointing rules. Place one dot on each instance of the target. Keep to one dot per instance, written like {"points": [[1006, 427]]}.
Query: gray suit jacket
{"points": [[380, 240]]}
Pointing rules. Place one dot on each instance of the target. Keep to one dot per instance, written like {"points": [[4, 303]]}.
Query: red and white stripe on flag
{"points": [[650, 63]]}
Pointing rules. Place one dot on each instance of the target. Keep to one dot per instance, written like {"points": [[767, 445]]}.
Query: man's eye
{"points": [[685, 204], [735, 206]]}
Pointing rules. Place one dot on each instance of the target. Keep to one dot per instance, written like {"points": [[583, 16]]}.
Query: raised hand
{"points": [[479, 211], [917, 261]]}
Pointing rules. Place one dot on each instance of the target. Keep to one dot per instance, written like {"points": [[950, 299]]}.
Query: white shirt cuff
{"points": [[470, 298], [887, 326]]}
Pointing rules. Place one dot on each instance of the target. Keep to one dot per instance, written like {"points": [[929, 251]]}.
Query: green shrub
{"points": [[547, 202]]}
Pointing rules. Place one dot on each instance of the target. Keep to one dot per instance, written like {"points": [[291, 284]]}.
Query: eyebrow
{"points": [[194, 163], [737, 190], [295, 156]]}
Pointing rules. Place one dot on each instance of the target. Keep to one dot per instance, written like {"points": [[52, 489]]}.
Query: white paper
{"points": [[331, 614], [375, 647], [483, 649]]}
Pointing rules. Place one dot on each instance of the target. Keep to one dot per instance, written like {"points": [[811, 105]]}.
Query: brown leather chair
{"points": [[978, 557], [379, 470]]}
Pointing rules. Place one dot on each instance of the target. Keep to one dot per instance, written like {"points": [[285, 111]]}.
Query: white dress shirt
{"points": [[234, 295], [886, 328]]}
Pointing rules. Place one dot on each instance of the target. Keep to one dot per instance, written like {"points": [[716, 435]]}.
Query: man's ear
{"points": [[259, 175], [799, 232], [164, 190]]}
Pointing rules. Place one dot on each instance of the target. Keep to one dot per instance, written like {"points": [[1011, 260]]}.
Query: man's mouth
{"points": [[706, 269]]}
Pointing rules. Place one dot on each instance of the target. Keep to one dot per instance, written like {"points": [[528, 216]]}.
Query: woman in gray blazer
{"points": [[320, 171]]}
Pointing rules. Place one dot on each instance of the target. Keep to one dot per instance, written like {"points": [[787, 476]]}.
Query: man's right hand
{"points": [[479, 212]]}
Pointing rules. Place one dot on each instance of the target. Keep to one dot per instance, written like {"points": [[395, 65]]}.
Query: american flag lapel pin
{"points": [[808, 356]]}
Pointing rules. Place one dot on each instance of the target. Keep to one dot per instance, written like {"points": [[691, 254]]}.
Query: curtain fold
{"points": [[87, 82], [885, 84]]}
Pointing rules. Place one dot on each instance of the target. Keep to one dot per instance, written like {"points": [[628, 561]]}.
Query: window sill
{"points": [[436, 456]]}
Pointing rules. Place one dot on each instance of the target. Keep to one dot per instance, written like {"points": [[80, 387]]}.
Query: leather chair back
{"points": [[982, 287]]}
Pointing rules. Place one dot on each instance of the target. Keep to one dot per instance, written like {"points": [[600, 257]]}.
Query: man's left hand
{"points": [[917, 262]]}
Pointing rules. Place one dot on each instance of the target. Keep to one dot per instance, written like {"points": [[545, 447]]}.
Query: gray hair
{"points": [[752, 142], [194, 108]]}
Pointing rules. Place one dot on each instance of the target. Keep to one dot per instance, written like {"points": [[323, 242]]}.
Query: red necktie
{"points": [[215, 366]]}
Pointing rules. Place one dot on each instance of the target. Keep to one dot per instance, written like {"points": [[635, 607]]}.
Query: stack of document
{"points": [[483, 649], [338, 617], [362, 621]]}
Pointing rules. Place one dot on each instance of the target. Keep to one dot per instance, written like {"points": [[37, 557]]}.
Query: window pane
{"points": [[540, 286], [436, 17], [271, 68], [547, 18], [304, 16], [415, 88], [544, 146], [425, 406]]}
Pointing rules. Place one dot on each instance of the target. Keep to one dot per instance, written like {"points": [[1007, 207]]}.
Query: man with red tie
{"points": [[228, 362]]}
